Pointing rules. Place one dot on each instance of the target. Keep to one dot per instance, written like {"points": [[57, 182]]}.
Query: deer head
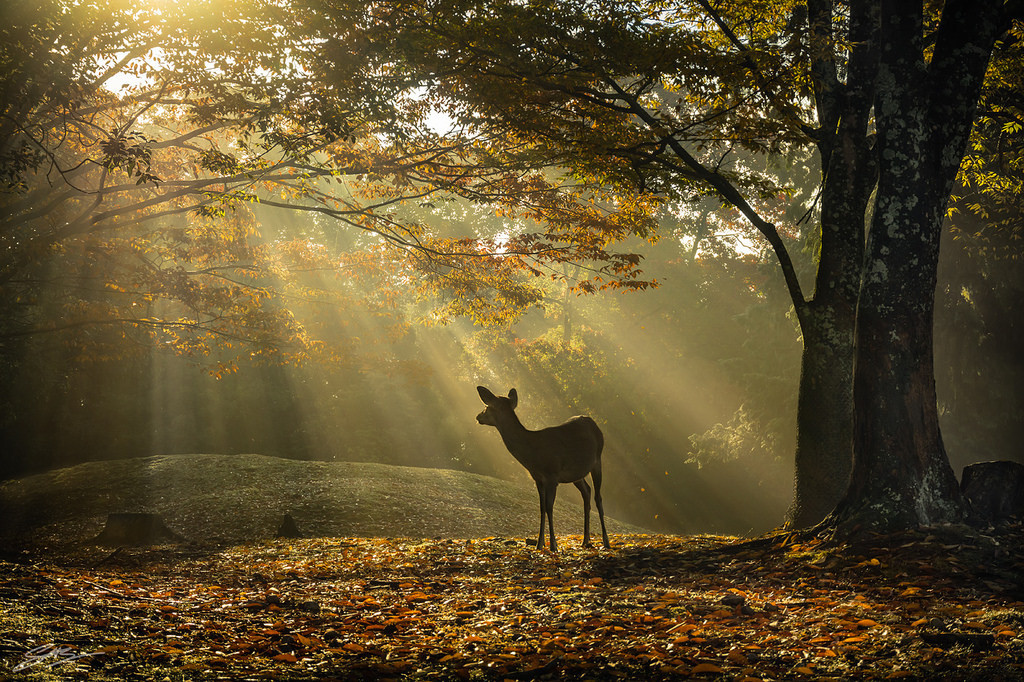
{"points": [[496, 405]]}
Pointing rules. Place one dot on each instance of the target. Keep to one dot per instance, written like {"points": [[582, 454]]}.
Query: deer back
{"points": [[567, 452]]}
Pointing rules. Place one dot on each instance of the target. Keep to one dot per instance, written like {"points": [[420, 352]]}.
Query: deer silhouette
{"points": [[558, 454]]}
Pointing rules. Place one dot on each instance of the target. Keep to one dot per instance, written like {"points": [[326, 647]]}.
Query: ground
{"points": [[941, 603], [243, 498]]}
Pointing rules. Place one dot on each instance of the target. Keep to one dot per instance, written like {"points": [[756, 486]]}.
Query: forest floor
{"points": [[940, 603]]}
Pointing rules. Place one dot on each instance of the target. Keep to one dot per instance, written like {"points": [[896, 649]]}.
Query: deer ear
{"points": [[514, 397], [485, 395]]}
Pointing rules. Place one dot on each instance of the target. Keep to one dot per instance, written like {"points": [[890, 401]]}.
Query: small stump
{"points": [[288, 528], [135, 529], [995, 490]]}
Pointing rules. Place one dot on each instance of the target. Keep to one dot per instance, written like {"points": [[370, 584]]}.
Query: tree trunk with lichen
{"points": [[824, 451], [901, 476], [923, 110]]}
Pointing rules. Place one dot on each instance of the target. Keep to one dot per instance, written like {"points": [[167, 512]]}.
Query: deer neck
{"points": [[516, 437]]}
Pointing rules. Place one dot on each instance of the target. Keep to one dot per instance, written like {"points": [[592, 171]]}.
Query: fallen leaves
{"points": [[656, 607]]}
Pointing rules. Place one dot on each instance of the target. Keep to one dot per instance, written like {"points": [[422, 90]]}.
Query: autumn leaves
{"points": [[657, 608]]}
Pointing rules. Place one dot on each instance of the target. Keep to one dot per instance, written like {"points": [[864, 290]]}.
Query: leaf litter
{"points": [[930, 604]]}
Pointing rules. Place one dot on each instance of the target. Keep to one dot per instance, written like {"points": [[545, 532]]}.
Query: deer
{"points": [[566, 453]]}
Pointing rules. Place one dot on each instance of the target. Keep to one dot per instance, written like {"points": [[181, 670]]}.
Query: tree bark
{"points": [[901, 475], [824, 453], [824, 445]]}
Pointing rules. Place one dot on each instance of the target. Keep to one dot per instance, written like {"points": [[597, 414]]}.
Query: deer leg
{"points": [[596, 475], [585, 492], [551, 488], [543, 511]]}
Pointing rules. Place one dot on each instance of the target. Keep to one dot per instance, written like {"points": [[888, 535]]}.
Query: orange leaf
{"points": [[286, 658], [706, 668]]}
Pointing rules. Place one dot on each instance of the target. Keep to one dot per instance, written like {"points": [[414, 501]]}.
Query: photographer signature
{"points": [[50, 655]]}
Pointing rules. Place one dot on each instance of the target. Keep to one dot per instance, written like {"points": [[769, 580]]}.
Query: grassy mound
{"points": [[242, 498]]}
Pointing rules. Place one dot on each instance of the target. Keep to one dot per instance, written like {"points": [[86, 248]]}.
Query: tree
{"points": [[148, 189], [924, 109], [660, 96], [118, 190], [144, 154]]}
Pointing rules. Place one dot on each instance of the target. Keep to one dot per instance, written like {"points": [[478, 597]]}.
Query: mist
{"points": [[693, 384]]}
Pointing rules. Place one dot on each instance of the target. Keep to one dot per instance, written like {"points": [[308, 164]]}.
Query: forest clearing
{"points": [[752, 269], [228, 601]]}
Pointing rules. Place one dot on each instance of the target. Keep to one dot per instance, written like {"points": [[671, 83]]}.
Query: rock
{"points": [[135, 529], [310, 606], [995, 490], [733, 599], [288, 529]]}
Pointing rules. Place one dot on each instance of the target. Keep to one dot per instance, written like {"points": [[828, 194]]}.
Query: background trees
{"points": [[637, 94], [386, 193], [144, 154], [978, 314]]}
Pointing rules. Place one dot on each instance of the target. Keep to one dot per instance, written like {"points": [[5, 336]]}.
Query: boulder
{"points": [[995, 491], [288, 529], [136, 529]]}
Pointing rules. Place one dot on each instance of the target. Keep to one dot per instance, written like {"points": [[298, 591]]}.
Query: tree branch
{"points": [[763, 83], [731, 194]]}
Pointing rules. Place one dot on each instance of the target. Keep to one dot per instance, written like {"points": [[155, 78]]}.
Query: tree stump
{"points": [[135, 529], [288, 528], [995, 490]]}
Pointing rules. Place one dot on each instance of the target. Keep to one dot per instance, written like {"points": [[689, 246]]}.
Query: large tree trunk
{"points": [[824, 446], [901, 476]]}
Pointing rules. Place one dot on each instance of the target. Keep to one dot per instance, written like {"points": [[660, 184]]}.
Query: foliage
{"points": [[979, 318], [740, 438], [618, 93], [149, 185], [991, 178], [655, 607]]}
